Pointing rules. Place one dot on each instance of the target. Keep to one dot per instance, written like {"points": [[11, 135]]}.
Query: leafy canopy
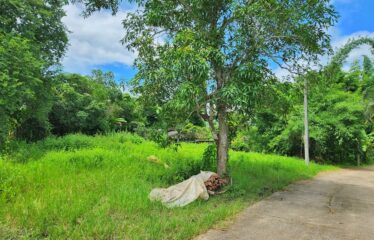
{"points": [[213, 57], [32, 41], [193, 53]]}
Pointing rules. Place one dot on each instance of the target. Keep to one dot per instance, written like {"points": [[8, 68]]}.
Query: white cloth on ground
{"points": [[183, 193]]}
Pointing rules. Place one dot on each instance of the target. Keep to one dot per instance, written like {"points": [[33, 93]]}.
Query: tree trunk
{"points": [[223, 142], [223, 129], [306, 123], [358, 157]]}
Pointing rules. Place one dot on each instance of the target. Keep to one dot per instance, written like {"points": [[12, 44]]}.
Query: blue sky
{"points": [[355, 15], [95, 41]]}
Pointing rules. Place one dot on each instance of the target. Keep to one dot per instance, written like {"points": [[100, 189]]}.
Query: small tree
{"points": [[212, 57]]}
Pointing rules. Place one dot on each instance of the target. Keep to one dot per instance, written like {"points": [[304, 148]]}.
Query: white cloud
{"points": [[338, 41], [282, 73], [94, 40]]}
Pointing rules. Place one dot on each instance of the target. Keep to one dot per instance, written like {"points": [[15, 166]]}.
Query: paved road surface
{"points": [[335, 205]]}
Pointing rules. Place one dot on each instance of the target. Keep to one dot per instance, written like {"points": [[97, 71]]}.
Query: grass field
{"points": [[81, 187]]}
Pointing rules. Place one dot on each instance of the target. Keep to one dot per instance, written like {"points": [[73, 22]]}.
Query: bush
{"points": [[157, 135], [181, 170], [209, 160], [192, 132], [32, 130], [240, 143]]}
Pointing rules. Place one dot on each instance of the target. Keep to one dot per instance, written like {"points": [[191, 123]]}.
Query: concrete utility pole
{"points": [[306, 124]]}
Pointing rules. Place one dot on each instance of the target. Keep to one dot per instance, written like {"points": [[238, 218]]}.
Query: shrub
{"points": [[209, 161], [182, 170], [193, 132], [240, 143]]}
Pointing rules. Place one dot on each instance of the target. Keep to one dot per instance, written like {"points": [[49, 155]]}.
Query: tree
{"points": [[91, 104], [79, 105], [340, 116], [20, 86], [337, 127], [212, 57], [38, 21], [32, 41], [342, 54]]}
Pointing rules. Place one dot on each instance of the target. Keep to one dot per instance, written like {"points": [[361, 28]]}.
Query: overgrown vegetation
{"points": [[74, 148], [197, 78], [83, 187], [341, 115], [32, 41]]}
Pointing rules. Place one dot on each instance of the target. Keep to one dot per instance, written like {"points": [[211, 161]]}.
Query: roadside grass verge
{"points": [[81, 187]]}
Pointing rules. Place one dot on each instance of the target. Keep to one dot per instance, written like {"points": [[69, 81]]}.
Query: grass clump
{"points": [[80, 187]]}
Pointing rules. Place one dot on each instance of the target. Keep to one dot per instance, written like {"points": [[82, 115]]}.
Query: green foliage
{"points": [[216, 53], [340, 114], [209, 160], [342, 54], [191, 132], [32, 41], [39, 22], [241, 142], [200, 64], [158, 136], [336, 128], [367, 66], [270, 117], [155, 134], [22, 152], [79, 106], [368, 147], [22, 85], [92, 104], [92, 188]]}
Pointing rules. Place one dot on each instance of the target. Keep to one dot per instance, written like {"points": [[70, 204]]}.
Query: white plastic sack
{"points": [[183, 193]]}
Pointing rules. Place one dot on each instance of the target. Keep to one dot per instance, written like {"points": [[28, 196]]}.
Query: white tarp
{"points": [[183, 193]]}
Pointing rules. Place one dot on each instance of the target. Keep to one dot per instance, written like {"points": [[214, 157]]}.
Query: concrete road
{"points": [[335, 205]]}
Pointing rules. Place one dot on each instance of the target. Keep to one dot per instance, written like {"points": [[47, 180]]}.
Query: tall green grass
{"points": [[80, 187]]}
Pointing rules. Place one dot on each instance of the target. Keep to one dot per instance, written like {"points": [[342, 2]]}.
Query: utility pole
{"points": [[306, 124]]}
